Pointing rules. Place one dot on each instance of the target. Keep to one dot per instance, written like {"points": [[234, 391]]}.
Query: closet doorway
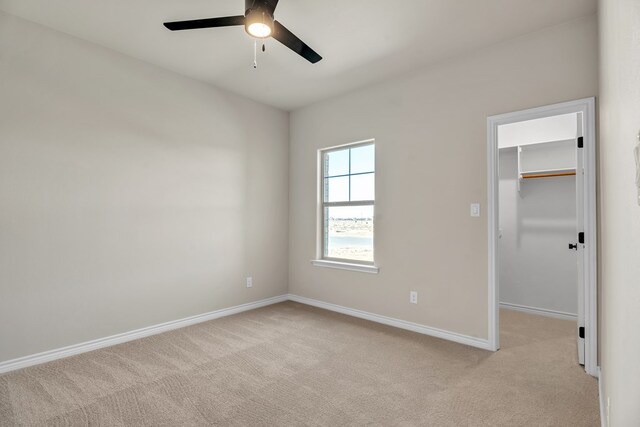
{"points": [[542, 219]]}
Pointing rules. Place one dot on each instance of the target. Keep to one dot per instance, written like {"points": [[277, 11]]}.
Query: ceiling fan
{"points": [[258, 22]]}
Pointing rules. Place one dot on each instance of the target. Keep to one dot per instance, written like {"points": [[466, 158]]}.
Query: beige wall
{"points": [[430, 130], [129, 196], [620, 213]]}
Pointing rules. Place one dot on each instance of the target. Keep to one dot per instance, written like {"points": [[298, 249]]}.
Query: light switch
{"points": [[475, 209]]}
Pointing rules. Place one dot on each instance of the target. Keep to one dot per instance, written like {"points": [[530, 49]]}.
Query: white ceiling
{"points": [[362, 41]]}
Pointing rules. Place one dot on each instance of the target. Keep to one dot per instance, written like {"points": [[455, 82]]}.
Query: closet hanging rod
{"points": [[548, 175]]}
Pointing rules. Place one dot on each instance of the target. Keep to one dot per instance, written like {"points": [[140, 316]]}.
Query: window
{"points": [[348, 196]]}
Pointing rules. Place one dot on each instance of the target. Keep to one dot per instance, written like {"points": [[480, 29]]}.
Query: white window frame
{"points": [[340, 263]]}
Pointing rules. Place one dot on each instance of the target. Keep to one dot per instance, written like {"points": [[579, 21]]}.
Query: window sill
{"points": [[362, 268]]}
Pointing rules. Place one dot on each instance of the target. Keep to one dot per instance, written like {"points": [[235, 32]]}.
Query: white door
{"points": [[580, 237]]}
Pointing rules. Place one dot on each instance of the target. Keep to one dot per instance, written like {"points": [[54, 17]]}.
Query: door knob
{"points": [[573, 246]]}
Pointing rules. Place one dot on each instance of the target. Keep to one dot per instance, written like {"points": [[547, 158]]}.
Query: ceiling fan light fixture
{"points": [[259, 30], [259, 24]]}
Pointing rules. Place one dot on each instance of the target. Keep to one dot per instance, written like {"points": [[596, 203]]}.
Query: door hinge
{"points": [[580, 142], [581, 332], [581, 237]]}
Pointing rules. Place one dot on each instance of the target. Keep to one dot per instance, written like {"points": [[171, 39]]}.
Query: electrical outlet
{"points": [[249, 282], [475, 210], [413, 297]]}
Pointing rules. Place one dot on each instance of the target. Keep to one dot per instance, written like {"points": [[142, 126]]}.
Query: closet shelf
{"points": [[546, 160], [539, 144], [547, 173]]}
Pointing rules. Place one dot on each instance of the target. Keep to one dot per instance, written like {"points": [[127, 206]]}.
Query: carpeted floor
{"points": [[290, 364]]}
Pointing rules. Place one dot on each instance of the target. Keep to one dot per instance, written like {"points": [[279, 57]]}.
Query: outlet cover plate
{"points": [[413, 297], [475, 210]]}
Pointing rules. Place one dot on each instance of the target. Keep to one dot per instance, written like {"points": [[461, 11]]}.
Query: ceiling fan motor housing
{"points": [[268, 5]]}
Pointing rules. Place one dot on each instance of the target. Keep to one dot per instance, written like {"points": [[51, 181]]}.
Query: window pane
{"points": [[349, 233], [336, 163], [363, 159], [363, 187], [336, 189]]}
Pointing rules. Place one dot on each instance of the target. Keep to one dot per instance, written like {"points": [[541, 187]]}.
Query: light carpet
{"points": [[293, 365]]}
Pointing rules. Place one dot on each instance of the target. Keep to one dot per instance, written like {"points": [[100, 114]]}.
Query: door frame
{"points": [[585, 106]]}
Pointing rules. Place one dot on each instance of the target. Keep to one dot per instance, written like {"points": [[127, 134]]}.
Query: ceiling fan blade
{"points": [[290, 40], [227, 21]]}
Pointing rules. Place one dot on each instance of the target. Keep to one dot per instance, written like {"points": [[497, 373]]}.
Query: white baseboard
{"points": [[402, 324], [539, 311], [48, 356]]}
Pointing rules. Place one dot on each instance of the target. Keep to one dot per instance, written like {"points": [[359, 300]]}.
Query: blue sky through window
{"points": [[350, 176]]}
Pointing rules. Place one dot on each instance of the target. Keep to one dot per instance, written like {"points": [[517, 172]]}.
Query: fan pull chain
{"points": [[255, 54], [255, 48]]}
